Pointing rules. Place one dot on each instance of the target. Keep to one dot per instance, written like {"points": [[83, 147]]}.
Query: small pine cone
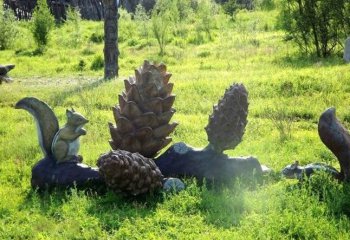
{"points": [[129, 172], [227, 123]]}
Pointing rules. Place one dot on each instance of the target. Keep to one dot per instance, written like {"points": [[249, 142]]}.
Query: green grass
{"points": [[280, 83]]}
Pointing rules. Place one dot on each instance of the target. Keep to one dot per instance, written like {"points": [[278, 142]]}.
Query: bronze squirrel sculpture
{"points": [[61, 144], [337, 138], [61, 167], [295, 171]]}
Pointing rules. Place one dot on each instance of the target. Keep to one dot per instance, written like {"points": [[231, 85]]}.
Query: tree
{"points": [[42, 23], [164, 15], [8, 27], [316, 25], [111, 38]]}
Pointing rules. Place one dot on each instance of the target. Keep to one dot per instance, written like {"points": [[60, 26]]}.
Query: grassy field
{"points": [[287, 94]]}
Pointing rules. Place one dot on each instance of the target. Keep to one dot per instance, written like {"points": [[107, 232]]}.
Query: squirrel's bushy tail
{"points": [[46, 121]]}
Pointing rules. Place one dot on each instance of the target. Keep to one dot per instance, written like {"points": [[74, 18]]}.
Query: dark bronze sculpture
{"points": [[62, 165], [225, 131], [144, 112], [295, 171], [4, 69], [142, 130], [335, 136]]}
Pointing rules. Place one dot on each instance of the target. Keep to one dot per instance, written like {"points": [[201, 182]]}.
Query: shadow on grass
{"points": [[305, 61], [60, 97], [110, 209], [28, 53]]}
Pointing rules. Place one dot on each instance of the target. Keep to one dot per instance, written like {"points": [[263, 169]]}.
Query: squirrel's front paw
{"points": [[82, 131]]}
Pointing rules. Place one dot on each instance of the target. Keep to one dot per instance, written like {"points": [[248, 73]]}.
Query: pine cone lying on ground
{"points": [[129, 172]]}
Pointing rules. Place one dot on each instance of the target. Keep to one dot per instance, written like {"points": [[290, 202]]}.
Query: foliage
{"points": [[73, 21], [265, 4], [276, 77], [206, 22], [42, 23], [230, 7], [8, 28], [97, 63], [142, 18], [127, 28], [317, 26], [162, 20], [281, 120]]}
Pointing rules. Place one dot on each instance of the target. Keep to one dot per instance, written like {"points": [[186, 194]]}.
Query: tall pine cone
{"points": [[229, 118], [144, 112], [129, 172]]}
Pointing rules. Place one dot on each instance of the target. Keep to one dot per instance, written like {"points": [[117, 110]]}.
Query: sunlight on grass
{"points": [[283, 86]]}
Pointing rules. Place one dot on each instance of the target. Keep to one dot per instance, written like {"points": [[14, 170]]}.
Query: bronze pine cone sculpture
{"points": [[144, 112], [129, 172], [227, 123]]}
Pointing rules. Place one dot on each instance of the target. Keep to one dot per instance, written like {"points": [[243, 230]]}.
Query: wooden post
{"points": [[111, 38]]}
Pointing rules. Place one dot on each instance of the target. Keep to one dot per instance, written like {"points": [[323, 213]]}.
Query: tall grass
{"points": [[248, 50]]}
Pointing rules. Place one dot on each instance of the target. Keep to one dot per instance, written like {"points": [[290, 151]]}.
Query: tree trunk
{"points": [[111, 38]]}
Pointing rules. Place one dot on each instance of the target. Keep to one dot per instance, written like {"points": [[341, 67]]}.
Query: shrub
{"points": [[127, 28], [81, 65], [96, 37], [142, 19], [206, 22], [265, 4], [230, 7], [162, 21], [73, 21], [281, 120], [8, 26], [317, 26], [97, 63], [42, 23]]}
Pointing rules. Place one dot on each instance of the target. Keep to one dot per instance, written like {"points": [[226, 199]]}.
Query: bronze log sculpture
{"points": [[4, 69], [335, 136], [225, 131], [61, 166]]}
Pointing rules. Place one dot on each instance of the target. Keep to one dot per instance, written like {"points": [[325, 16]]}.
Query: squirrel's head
{"points": [[75, 119], [292, 170]]}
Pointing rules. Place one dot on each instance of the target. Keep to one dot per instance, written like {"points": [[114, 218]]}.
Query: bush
{"points": [[8, 28], [206, 22], [97, 63], [162, 21], [142, 19], [96, 37], [317, 26], [230, 7], [265, 4], [73, 22], [42, 23]]}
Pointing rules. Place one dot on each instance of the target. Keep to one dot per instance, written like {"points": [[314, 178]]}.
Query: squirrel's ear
{"points": [[73, 110], [69, 113]]}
